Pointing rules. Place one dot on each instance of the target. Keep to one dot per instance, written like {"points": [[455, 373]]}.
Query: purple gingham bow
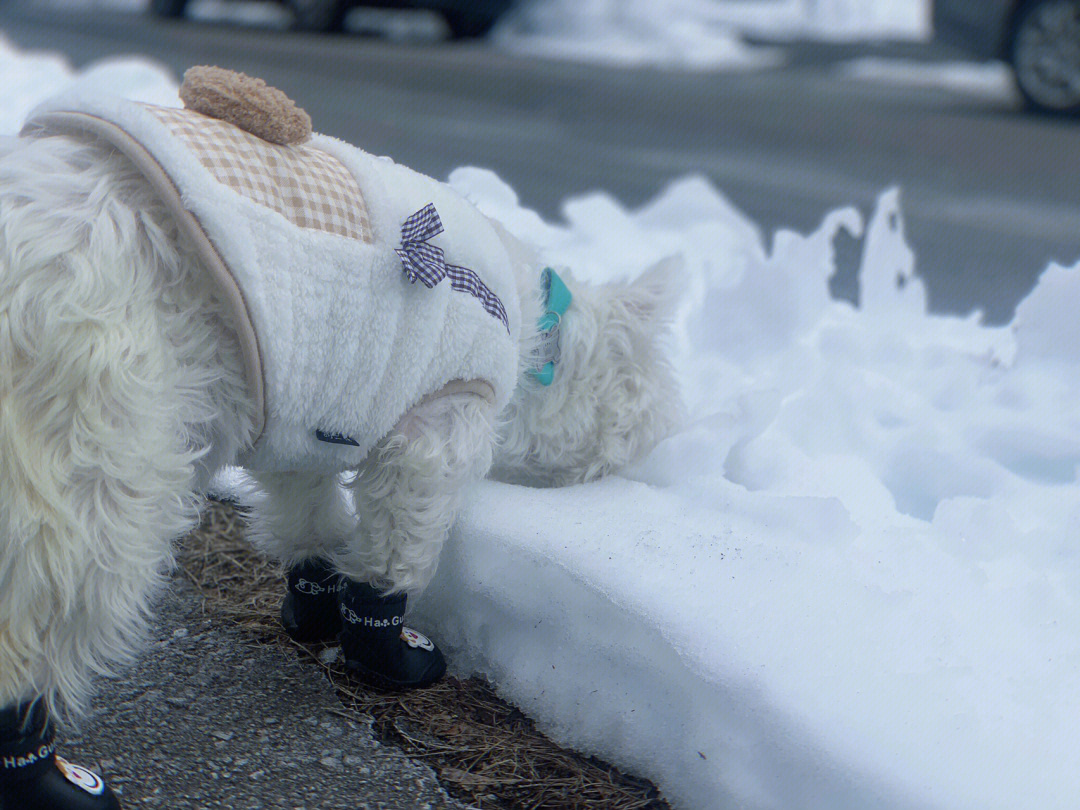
{"points": [[422, 262], [427, 263]]}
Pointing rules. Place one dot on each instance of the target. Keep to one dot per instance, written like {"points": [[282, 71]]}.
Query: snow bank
{"points": [[834, 20], [674, 33], [850, 580], [699, 34]]}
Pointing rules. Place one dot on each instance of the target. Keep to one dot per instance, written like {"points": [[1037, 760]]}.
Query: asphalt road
{"points": [[207, 720], [990, 194]]}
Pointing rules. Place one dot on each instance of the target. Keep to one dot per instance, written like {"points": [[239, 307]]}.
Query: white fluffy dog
{"points": [[122, 393]]}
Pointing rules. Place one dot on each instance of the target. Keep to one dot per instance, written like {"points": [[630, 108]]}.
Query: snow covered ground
{"points": [[989, 80], [849, 581]]}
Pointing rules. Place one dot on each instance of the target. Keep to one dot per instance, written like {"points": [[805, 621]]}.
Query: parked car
{"points": [[1040, 39], [466, 18]]}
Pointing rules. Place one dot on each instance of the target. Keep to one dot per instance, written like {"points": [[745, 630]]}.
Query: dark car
{"points": [[466, 18], [1039, 38]]}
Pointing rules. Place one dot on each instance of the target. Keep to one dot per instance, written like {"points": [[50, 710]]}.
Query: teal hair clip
{"points": [[557, 300]]}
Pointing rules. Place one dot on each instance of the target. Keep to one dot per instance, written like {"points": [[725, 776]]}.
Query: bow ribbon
{"points": [[421, 261], [427, 263]]}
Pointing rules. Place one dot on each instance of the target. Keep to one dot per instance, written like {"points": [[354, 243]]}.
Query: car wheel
{"points": [[468, 24], [168, 8], [1045, 55], [317, 15]]}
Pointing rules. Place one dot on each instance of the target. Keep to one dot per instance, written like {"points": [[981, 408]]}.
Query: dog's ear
{"points": [[656, 294]]}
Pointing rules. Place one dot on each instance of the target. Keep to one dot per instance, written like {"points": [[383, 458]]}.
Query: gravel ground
{"points": [[208, 719]]}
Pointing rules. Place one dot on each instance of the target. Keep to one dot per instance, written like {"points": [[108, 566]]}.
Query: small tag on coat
{"points": [[336, 438]]}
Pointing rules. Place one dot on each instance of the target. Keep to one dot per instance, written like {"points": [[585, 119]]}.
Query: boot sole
{"points": [[385, 684]]}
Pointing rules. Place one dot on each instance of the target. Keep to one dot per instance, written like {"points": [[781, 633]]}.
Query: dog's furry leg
{"points": [[409, 489], [300, 516], [83, 545], [114, 365]]}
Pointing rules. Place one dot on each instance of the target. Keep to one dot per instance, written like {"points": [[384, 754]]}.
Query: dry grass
{"points": [[484, 750]]}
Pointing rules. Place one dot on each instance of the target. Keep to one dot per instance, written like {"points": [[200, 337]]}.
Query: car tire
{"points": [[1044, 50], [168, 8], [317, 15], [469, 24]]}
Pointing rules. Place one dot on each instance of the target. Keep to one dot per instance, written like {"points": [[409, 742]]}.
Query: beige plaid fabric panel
{"points": [[307, 186]]}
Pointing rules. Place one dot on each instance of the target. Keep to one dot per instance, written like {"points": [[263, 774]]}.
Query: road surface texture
{"points": [[207, 719]]}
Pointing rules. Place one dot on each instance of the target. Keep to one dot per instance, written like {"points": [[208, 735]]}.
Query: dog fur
{"points": [[122, 393]]}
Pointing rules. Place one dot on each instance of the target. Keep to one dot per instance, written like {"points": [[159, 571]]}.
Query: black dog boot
{"points": [[310, 612], [378, 646], [33, 777]]}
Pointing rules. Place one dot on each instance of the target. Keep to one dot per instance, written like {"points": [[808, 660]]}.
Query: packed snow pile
{"points": [[849, 581], [687, 34]]}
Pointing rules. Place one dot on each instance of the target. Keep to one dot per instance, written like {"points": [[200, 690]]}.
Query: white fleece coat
{"points": [[336, 338]]}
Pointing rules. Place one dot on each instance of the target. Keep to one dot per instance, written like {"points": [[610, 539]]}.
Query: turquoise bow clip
{"points": [[557, 300]]}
